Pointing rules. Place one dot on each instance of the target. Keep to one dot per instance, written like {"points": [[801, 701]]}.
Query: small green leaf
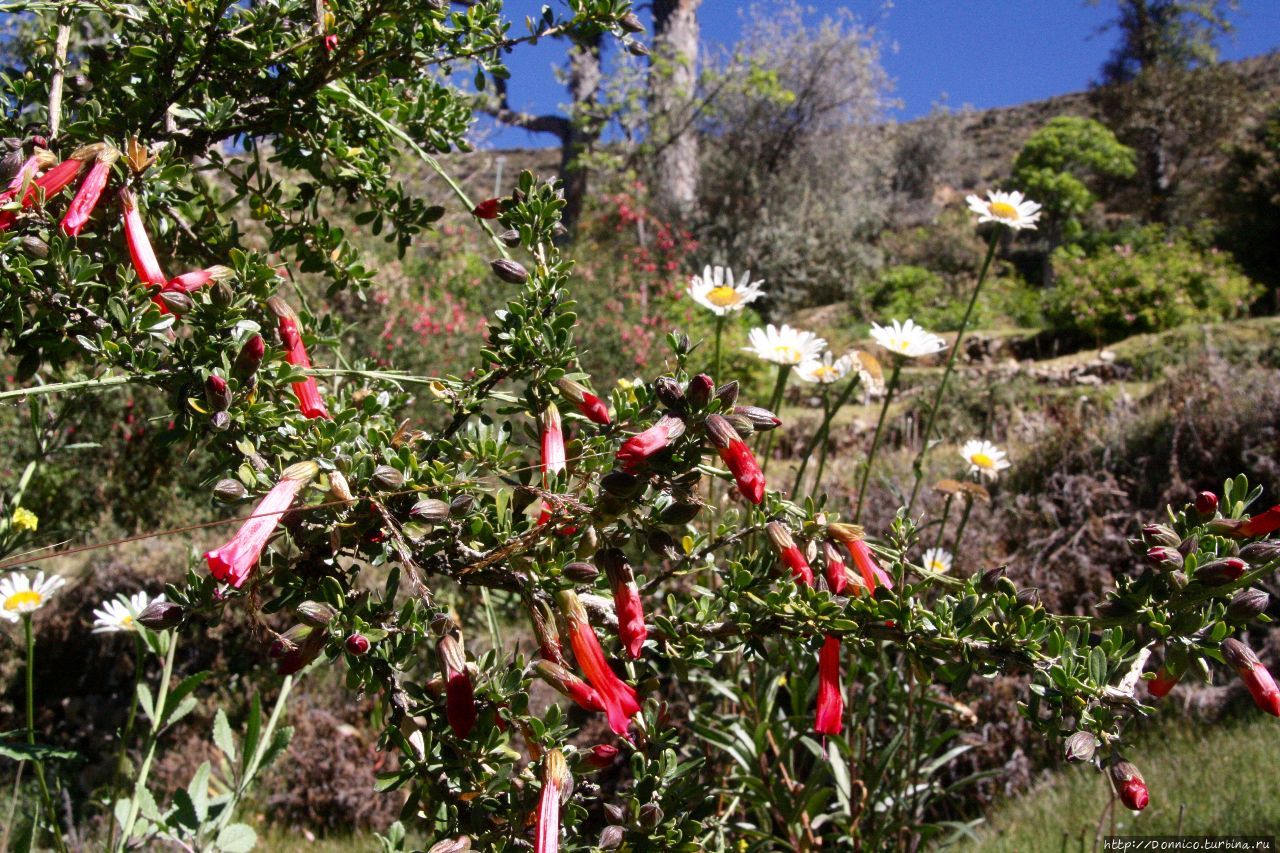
{"points": [[222, 735], [236, 838]]}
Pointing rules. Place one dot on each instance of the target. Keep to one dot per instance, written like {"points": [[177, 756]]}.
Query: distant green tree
{"points": [[1059, 164], [1249, 200], [1177, 33]]}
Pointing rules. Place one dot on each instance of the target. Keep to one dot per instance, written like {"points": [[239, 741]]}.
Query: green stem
{"points": [[946, 511], [78, 385], [495, 635], [139, 651], [715, 374], [255, 761], [964, 519], [153, 737], [784, 370], [45, 799], [875, 441], [918, 464], [823, 432]]}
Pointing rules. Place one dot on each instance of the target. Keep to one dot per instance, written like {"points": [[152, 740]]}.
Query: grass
{"points": [[1212, 779]]}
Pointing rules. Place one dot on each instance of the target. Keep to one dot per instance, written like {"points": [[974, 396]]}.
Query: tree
{"points": [[1163, 95], [1249, 200], [672, 86]]}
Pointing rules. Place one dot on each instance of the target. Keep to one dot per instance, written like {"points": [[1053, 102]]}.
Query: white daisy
{"points": [[1012, 209], [19, 595], [786, 345], [827, 369], [984, 458], [718, 290], [118, 614], [907, 339], [937, 560]]}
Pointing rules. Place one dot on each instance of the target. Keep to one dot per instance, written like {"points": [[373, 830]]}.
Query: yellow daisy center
{"points": [[126, 621], [822, 371], [1003, 210], [27, 599], [982, 460], [784, 352], [937, 566], [723, 296]]}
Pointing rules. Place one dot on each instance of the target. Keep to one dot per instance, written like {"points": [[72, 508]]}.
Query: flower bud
{"points": [[580, 572], [461, 506], [1129, 785], [510, 237], [177, 302], [1161, 534], [1220, 572], [699, 391], [315, 613], [220, 421], [663, 544], [357, 645], [509, 271], [221, 294], [230, 491], [1247, 604], [636, 48], [249, 358], [601, 755], [216, 393], [621, 484], [727, 394], [386, 479], [990, 580], [630, 23], [611, 837], [741, 425], [1178, 579], [160, 615], [679, 513], [650, 815], [35, 247], [614, 813], [1081, 746], [1029, 596], [430, 510], [669, 392], [1260, 553], [544, 628], [1164, 557], [1206, 503], [762, 419]]}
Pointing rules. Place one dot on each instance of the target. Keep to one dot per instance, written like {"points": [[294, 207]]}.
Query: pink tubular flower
{"points": [[601, 755], [295, 352], [24, 182], [233, 562], [837, 569], [557, 785], [553, 456], [638, 449], [135, 234], [86, 198], [460, 697], [619, 698], [789, 553], [1262, 687], [190, 282], [626, 600], [866, 563], [830, 718], [50, 183], [583, 694], [737, 457]]}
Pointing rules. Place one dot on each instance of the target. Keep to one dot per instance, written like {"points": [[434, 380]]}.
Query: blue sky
{"points": [[980, 53]]}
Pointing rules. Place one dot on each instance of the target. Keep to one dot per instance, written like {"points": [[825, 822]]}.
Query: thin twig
{"points": [[59, 73]]}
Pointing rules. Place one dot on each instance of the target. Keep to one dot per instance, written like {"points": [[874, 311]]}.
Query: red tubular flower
{"points": [[1262, 687], [557, 785], [583, 694], [553, 456], [135, 234], [330, 43], [295, 352], [788, 552], [626, 600], [40, 160], [1129, 785], [865, 561], [190, 282], [86, 198], [1167, 676], [591, 406], [233, 562], [487, 209], [619, 698], [1260, 524], [737, 457], [52, 182], [601, 755], [638, 449], [459, 696], [837, 569], [830, 718]]}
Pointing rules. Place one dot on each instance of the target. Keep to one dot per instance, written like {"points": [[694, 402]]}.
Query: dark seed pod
{"points": [[636, 48], [621, 484], [509, 271], [611, 837], [1247, 604], [160, 615], [385, 478], [614, 813], [630, 23], [581, 572], [679, 513], [1029, 596], [315, 613], [230, 491], [510, 237], [650, 815], [177, 302], [461, 505], [727, 394], [669, 392], [687, 480], [35, 247], [741, 425], [663, 544], [28, 365], [1258, 553], [430, 510]]}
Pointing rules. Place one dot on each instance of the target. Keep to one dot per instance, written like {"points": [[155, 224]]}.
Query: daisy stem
{"points": [[821, 435], [139, 650], [875, 441], [964, 519], [784, 370], [45, 799], [942, 526], [918, 464], [716, 364], [153, 737]]}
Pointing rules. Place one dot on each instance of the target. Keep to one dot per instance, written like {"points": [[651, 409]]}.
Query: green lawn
{"points": [[1214, 779]]}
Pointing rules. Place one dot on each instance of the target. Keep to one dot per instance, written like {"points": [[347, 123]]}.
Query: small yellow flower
{"points": [[25, 519]]}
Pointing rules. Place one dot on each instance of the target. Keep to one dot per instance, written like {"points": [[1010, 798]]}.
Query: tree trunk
{"points": [[585, 77], [672, 80]]}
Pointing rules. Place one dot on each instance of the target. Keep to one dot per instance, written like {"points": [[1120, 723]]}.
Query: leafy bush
{"points": [[937, 303], [1154, 283]]}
